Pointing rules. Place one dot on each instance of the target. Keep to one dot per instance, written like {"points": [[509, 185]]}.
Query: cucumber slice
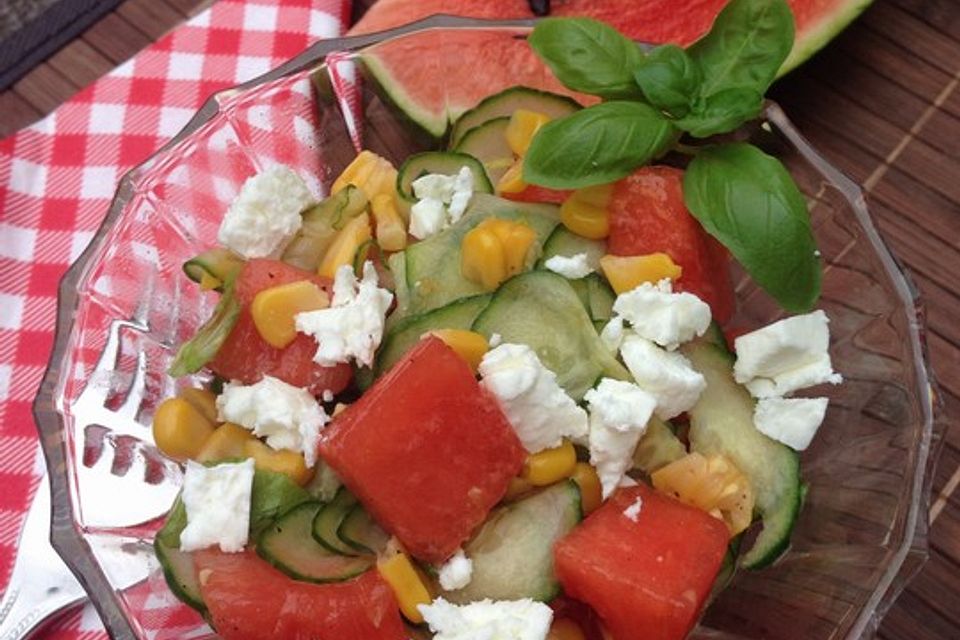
{"points": [[397, 263], [181, 574], [447, 163], [203, 346], [541, 309], [506, 102], [722, 422], [658, 447], [459, 314], [321, 223], [488, 144], [563, 242], [219, 263], [601, 297], [288, 546], [432, 266], [359, 531], [512, 553], [327, 521]]}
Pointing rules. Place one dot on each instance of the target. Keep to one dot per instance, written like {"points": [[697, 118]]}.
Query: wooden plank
{"points": [[942, 132], [45, 88], [937, 585], [913, 618], [81, 63], [190, 8], [116, 38], [938, 171], [946, 363], [940, 15], [945, 533], [894, 22], [153, 17], [17, 113]]}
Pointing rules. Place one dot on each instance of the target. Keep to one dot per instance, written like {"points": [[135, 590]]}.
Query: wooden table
{"points": [[882, 102]]}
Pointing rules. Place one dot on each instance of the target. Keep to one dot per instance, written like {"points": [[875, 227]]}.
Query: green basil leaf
{"points": [[669, 79], [748, 43], [596, 145], [748, 201], [589, 56], [722, 112]]}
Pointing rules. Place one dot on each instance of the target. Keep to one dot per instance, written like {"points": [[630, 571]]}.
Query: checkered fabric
{"points": [[56, 181]]}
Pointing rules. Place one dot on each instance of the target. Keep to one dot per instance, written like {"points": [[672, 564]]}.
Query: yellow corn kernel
{"points": [[591, 493], [408, 587], [357, 172], [204, 400], [516, 239], [523, 125], [584, 212], [273, 310], [469, 345], [391, 230], [344, 247], [517, 488], [225, 443], [289, 463], [626, 273], [512, 179], [550, 465], [482, 259], [209, 282], [180, 429], [565, 629]]}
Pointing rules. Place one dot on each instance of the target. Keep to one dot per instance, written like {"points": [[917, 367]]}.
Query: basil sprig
{"points": [[741, 196]]}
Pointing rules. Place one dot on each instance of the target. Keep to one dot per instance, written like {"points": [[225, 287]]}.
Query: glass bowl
{"points": [[125, 305]]}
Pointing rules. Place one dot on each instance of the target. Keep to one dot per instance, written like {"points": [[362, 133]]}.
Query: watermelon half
{"points": [[434, 77]]}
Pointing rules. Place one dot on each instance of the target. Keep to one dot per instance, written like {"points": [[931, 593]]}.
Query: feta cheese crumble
{"points": [[570, 267], [539, 410], [633, 511], [612, 334], [488, 620], [619, 412], [287, 416], [352, 326], [666, 375], [442, 201], [785, 356], [661, 316], [217, 502], [792, 421], [265, 215], [456, 572]]}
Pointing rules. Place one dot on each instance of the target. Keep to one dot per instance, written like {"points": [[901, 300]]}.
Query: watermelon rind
{"points": [[435, 124], [816, 37]]}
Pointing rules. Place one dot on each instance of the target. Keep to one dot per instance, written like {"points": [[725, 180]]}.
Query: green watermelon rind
{"points": [[816, 37], [433, 124]]}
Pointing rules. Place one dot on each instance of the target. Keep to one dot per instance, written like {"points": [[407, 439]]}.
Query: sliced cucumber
{"points": [[397, 263], [359, 531], [432, 266], [601, 296], [488, 144], [203, 346], [722, 422], [714, 335], [512, 553], [658, 447], [506, 102], [219, 263], [563, 242], [321, 224], [541, 309], [459, 314], [288, 546], [180, 573], [446, 163], [327, 523]]}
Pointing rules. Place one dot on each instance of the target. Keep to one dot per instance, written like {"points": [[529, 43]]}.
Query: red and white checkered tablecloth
{"points": [[56, 181]]}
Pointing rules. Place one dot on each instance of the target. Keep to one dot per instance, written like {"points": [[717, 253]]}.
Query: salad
{"points": [[492, 391]]}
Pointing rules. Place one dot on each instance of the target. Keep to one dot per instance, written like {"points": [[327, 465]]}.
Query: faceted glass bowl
{"points": [[125, 305]]}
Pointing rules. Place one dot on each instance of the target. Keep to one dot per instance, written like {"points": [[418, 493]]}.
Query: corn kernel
{"points": [[204, 400], [391, 230], [591, 494], [516, 239], [469, 345], [209, 282], [225, 443], [584, 212], [273, 310], [512, 179], [494, 250], [344, 247], [550, 465], [517, 488], [357, 172], [180, 429], [407, 585], [626, 273], [289, 463], [565, 629], [523, 126]]}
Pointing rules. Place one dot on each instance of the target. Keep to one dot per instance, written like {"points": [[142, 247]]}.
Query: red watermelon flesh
{"points": [[434, 78]]}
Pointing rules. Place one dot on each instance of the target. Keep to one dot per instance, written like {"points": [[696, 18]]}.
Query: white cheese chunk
{"points": [[287, 416], [442, 201], [659, 315], [462, 192], [427, 217], [456, 572], [570, 267], [352, 327], [217, 502], [265, 215], [785, 356], [537, 407], [666, 375], [488, 620], [619, 412], [633, 511], [612, 334], [792, 421]]}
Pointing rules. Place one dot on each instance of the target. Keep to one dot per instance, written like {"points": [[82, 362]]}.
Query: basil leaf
{"points": [[596, 145], [669, 79], [748, 201], [722, 112], [589, 56], [749, 41]]}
